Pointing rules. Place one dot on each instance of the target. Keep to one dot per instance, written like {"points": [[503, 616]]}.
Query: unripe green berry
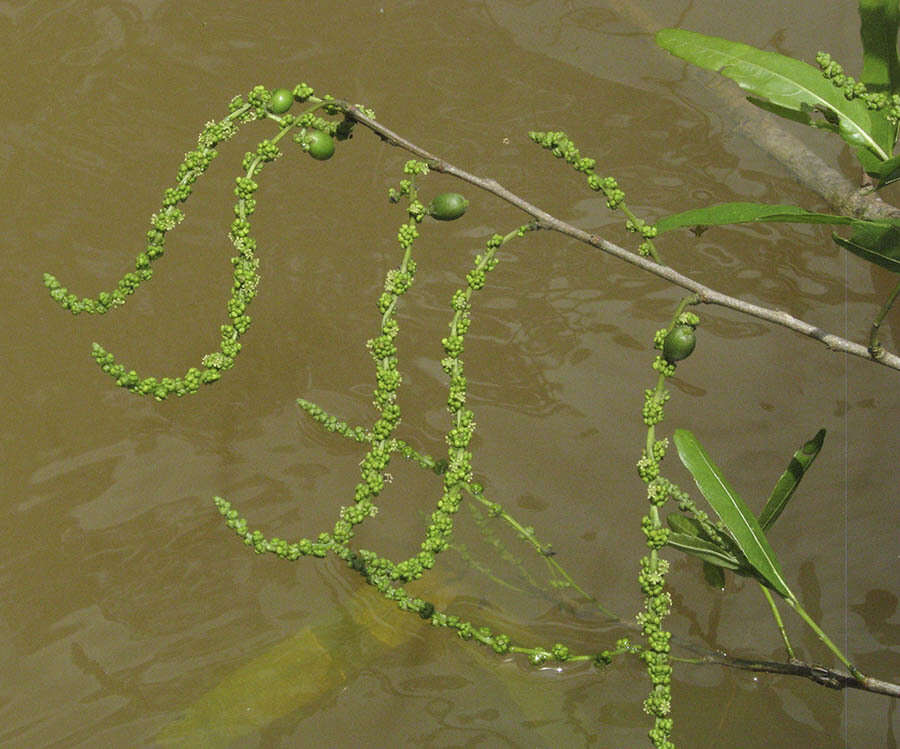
{"points": [[319, 144], [679, 343], [281, 101], [448, 206]]}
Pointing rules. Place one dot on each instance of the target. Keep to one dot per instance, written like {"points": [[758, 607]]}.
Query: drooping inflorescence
{"points": [[387, 575], [316, 135], [260, 104], [561, 146], [853, 89], [653, 568]]}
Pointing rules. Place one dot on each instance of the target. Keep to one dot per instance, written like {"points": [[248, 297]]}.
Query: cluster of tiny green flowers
{"points": [[258, 99], [361, 434], [623, 645], [245, 264], [243, 291], [382, 572], [715, 531], [262, 545], [458, 468], [657, 537], [647, 233], [655, 398], [303, 91], [657, 605], [195, 164], [854, 89], [561, 146], [653, 569], [458, 471], [373, 465], [379, 571], [311, 121], [384, 353], [372, 567], [609, 186], [333, 424]]}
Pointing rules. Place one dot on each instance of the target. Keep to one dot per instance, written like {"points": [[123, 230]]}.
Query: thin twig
{"points": [[825, 676], [706, 294]]}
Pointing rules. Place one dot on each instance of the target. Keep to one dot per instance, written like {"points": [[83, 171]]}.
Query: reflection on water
{"points": [[127, 607]]}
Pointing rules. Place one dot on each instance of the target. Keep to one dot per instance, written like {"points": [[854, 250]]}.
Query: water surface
{"points": [[125, 601]]}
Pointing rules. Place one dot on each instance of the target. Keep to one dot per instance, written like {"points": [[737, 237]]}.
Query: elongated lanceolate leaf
{"points": [[886, 171], [731, 509], [790, 479], [705, 550], [876, 243], [881, 68], [878, 32], [683, 524], [813, 119], [742, 212], [724, 545], [783, 81]]}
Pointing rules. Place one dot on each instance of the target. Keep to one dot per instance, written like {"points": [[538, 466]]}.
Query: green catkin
{"points": [[653, 569], [245, 262], [379, 571], [853, 89], [455, 469], [559, 144]]}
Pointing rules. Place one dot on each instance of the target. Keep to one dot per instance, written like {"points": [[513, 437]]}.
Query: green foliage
{"points": [[741, 544], [878, 32], [790, 480], [866, 114], [737, 517], [874, 242], [744, 212], [787, 86]]}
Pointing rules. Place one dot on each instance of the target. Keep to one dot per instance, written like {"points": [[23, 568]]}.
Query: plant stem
{"points": [[795, 604], [787, 642], [875, 348], [705, 294]]}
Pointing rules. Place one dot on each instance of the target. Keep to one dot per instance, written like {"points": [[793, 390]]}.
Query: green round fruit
{"points": [[448, 206], [281, 101], [321, 145], [678, 343]]}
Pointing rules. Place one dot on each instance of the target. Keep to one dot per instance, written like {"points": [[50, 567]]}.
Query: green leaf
{"points": [[705, 550], [692, 527], [785, 82], [881, 67], [740, 213], [886, 171], [790, 479], [737, 517], [876, 242], [878, 32], [683, 524], [804, 117]]}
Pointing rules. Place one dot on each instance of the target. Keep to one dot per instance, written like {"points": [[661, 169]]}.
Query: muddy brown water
{"points": [[125, 602]]}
